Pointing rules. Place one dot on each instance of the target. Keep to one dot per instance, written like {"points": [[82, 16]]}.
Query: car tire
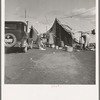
{"points": [[14, 40]]}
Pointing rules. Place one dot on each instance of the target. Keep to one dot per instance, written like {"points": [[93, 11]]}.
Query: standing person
{"points": [[86, 37], [51, 39], [81, 42]]}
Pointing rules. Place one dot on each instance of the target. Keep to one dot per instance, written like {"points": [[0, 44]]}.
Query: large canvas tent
{"points": [[76, 24], [61, 33], [68, 29]]}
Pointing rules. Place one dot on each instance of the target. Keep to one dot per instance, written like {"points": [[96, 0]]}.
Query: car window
{"points": [[10, 26]]}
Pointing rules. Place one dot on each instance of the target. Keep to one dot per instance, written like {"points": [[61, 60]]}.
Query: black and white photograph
{"points": [[50, 42], [49, 50]]}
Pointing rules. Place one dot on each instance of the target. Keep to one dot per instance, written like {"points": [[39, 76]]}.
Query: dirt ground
{"points": [[50, 67]]}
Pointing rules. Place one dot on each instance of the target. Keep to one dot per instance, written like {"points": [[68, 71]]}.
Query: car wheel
{"points": [[25, 49], [10, 40]]}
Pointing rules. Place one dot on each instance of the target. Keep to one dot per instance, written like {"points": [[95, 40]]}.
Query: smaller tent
{"points": [[33, 33]]}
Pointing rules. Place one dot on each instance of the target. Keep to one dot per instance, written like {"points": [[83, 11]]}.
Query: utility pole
{"points": [[47, 22], [27, 25], [25, 14], [26, 20]]}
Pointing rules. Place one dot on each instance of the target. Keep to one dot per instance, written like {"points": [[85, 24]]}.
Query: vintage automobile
{"points": [[16, 35]]}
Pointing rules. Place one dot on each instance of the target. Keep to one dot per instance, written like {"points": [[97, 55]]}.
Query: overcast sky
{"points": [[41, 13]]}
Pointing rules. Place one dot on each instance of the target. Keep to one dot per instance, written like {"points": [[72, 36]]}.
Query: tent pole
{"points": [[72, 39], [55, 31], [81, 40], [60, 35]]}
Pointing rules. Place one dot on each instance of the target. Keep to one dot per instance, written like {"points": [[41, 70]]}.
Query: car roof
{"points": [[15, 22]]}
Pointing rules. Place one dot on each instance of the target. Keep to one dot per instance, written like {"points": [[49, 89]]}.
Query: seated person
{"points": [[40, 43]]}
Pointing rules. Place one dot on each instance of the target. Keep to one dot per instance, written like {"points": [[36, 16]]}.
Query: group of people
{"points": [[40, 42], [43, 40], [85, 40]]}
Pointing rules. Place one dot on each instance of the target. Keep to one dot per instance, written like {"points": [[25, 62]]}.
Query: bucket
{"points": [[69, 49], [53, 46], [56, 47]]}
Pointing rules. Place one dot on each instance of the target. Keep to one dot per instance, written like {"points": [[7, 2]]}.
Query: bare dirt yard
{"points": [[50, 67]]}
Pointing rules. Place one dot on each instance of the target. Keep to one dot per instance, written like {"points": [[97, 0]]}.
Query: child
{"points": [[40, 43]]}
